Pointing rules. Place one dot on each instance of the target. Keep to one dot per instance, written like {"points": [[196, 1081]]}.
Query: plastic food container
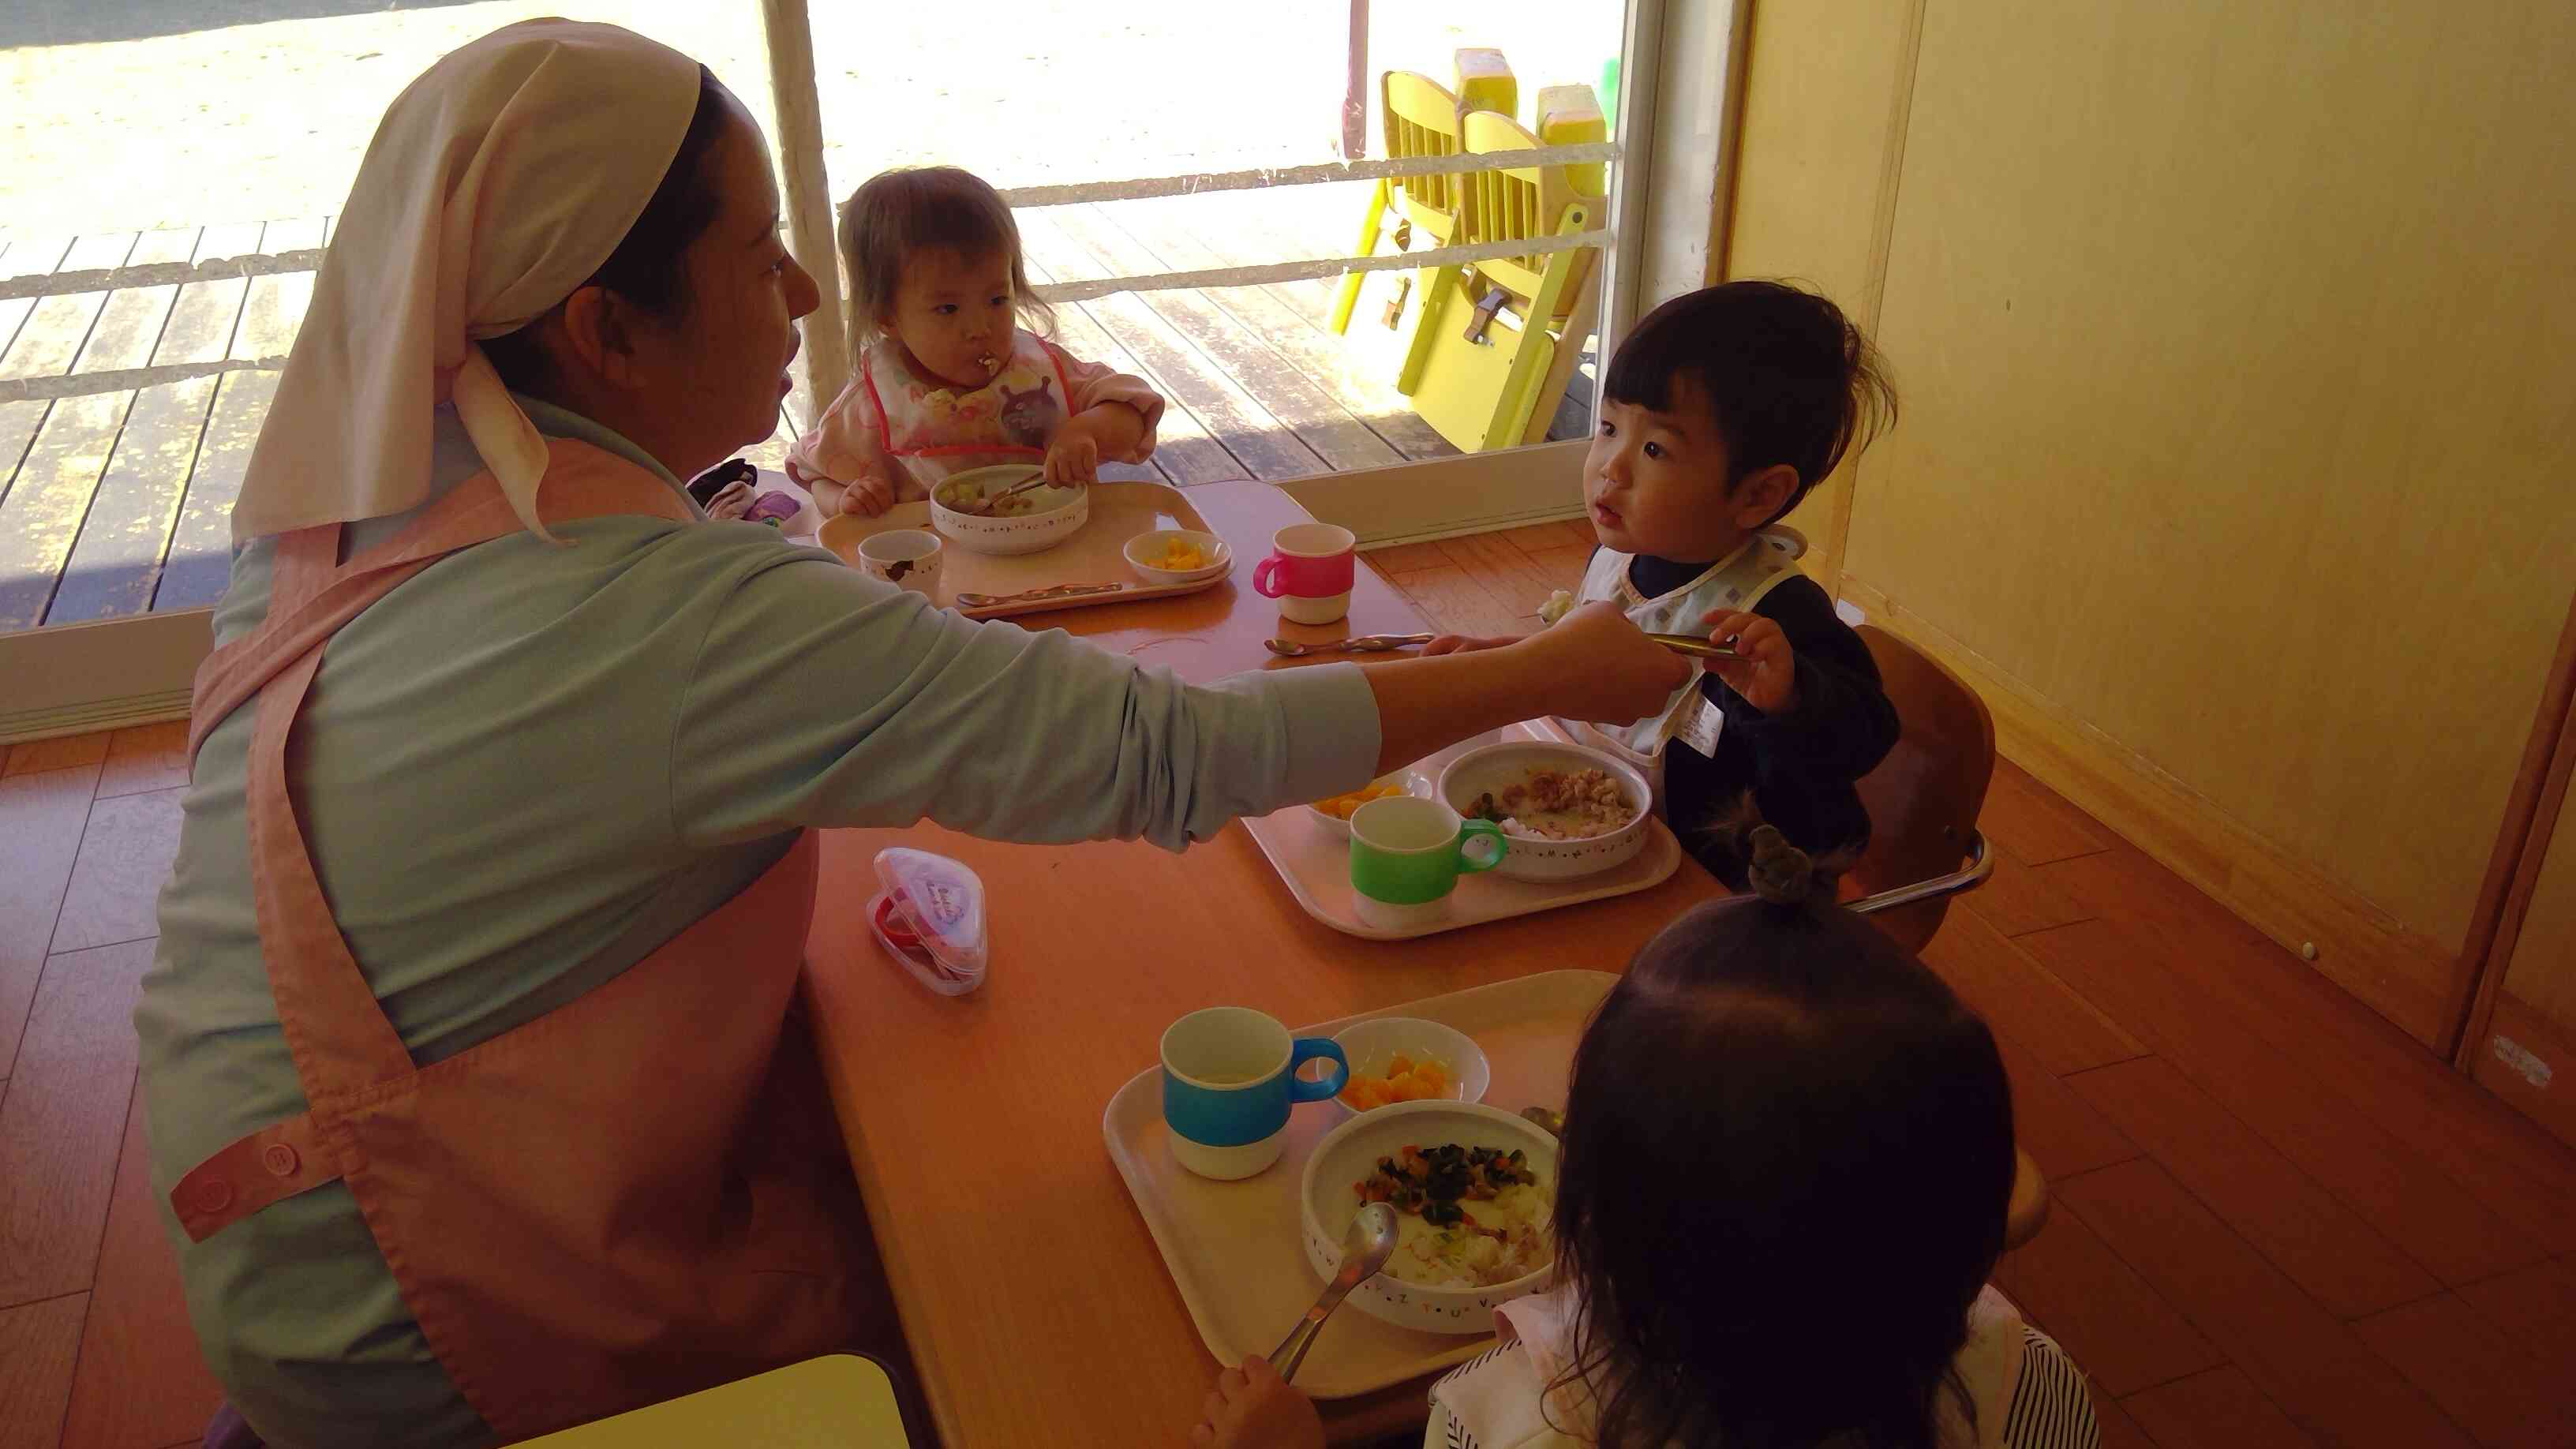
{"points": [[930, 919]]}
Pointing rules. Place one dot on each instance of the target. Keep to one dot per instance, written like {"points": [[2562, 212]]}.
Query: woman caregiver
{"points": [[467, 1049]]}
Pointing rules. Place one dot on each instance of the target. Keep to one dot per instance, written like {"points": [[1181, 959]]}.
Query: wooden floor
{"points": [[2277, 1221], [116, 501]]}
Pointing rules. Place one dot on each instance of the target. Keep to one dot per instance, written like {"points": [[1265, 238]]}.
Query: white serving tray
{"points": [[1233, 1248], [1316, 864]]}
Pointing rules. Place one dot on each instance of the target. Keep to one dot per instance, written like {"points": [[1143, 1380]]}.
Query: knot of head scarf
{"points": [[498, 182]]}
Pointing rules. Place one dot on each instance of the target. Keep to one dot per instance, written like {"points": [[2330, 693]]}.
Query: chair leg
{"points": [[1349, 294]]}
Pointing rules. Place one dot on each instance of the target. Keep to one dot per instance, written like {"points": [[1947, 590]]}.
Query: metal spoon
{"points": [[1031, 596], [983, 507], [1365, 1249], [1362, 644], [1688, 644]]}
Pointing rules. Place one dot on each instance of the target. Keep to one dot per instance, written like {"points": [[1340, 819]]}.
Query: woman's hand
{"points": [[1601, 668], [1254, 1408], [1467, 643], [1074, 455], [1767, 675]]}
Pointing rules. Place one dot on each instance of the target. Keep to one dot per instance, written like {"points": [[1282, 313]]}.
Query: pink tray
{"points": [[1233, 1247], [1317, 865]]}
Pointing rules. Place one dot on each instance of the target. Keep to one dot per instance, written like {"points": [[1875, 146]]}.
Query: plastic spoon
{"points": [[1365, 1249]]}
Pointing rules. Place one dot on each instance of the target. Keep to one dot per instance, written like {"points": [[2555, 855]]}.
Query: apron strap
{"points": [[312, 593]]}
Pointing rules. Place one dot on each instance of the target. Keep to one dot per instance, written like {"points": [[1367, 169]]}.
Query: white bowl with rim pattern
{"points": [[1059, 514], [1531, 858], [1349, 1153]]}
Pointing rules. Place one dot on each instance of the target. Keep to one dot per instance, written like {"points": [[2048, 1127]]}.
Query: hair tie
{"points": [[1780, 873]]}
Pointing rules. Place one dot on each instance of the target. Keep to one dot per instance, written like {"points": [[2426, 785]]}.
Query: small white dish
{"points": [[1412, 782], [1350, 1152], [1494, 767], [1369, 1045], [907, 558], [1141, 550], [1059, 514]]}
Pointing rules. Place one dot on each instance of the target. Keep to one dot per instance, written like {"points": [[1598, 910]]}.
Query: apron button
{"points": [[213, 1195], [280, 1159]]}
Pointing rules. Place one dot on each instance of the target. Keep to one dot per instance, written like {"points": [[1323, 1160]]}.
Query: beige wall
{"points": [[2237, 350]]}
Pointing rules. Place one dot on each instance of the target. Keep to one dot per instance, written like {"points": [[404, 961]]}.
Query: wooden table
{"points": [[1037, 1307]]}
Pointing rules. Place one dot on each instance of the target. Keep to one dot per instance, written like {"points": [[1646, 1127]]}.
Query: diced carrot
{"points": [[1430, 1075], [1398, 1065]]}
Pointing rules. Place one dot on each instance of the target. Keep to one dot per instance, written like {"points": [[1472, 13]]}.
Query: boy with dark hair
{"points": [[1720, 411]]}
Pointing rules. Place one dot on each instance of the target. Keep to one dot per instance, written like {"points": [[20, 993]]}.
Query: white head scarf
{"points": [[498, 182]]}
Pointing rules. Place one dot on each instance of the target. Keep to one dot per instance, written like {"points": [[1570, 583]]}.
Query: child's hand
{"points": [[1254, 1408], [1467, 643], [1074, 455], [868, 497], [1767, 675], [732, 501]]}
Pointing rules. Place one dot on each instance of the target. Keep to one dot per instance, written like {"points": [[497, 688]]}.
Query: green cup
{"points": [[1406, 856]]}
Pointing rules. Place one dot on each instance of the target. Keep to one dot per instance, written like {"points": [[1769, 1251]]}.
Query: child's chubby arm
{"points": [[1812, 679], [1113, 418], [1253, 1408], [841, 461]]}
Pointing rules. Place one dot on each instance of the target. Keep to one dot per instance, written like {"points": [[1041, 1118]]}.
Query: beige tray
{"points": [[1119, 512], [1233, 1247], [1317, 866]]}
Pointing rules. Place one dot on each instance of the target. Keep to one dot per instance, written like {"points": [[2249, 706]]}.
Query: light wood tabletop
{"points": [[1037, 1307]]}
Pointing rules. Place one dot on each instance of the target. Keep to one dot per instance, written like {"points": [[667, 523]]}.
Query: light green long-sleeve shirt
{"points": [[527, 767]]}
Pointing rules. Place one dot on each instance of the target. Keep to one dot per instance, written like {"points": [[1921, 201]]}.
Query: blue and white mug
{"points": [[1229, 1078]]}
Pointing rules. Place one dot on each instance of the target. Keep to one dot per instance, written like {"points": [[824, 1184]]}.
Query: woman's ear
{"points": [[599, 333], [1764, 494]]}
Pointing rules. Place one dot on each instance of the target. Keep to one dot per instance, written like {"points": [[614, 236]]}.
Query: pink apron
{"points": [[634, 1196]]}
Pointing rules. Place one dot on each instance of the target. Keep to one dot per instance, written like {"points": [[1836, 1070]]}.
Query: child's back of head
{"points": [[1788, 1153]]}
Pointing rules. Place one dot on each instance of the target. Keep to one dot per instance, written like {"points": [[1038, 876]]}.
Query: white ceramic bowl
{"points": [[1148, 546], [1349, 1153], [1371, 1044], [1060, 513], [1493, 767], [1414, 782]]}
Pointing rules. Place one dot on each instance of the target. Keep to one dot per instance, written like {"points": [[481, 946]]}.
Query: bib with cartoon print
{"points": [[1738, 581], [1012, 416]]}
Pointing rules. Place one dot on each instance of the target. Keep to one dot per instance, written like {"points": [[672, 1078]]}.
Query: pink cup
{"points": [[1309, 572]]}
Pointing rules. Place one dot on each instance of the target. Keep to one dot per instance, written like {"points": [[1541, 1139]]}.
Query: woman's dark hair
{"points": [[1788, 377], [1787, 1157], [650, 265], [896, 213]]}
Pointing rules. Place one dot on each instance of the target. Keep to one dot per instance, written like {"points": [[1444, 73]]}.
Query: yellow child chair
{"points": [[1422, 119], [1498, 339], [840, 1401]]}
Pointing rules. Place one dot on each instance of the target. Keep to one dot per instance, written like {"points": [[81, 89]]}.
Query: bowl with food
{"points": [[1396, 1059], [1040, 518], [1177, 556], [1472, 1187], [1568, 811], [1333, 816]]}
